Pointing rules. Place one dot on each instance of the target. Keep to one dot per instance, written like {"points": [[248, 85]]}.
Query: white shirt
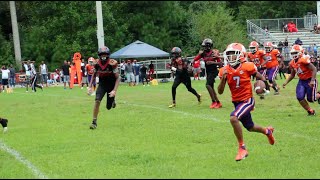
{"points": [[26, 69], [5, 73], [43, 68]]}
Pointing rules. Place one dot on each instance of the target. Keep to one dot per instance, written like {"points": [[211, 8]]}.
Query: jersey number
{"points": [[237, 79]]}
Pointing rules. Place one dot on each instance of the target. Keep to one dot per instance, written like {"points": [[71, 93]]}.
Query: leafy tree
{"points": [[217, 24]]}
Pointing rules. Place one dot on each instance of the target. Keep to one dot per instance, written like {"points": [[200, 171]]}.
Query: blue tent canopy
{"points": [[139, 49]]}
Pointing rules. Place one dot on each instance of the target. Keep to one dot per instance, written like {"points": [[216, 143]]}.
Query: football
{"points": [[259, 87]]}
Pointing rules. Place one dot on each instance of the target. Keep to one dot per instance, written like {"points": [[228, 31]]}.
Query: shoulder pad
{"points": [[113, 62]]}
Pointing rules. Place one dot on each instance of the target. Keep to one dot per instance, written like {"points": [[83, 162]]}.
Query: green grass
{"points": [[143, 138]]}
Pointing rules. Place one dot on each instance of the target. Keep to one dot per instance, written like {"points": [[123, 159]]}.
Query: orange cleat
{"points": [[270, 135], [219, 105], [242, 153], [213, 105]]}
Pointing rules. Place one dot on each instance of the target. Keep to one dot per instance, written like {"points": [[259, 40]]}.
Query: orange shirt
{"points": [[272, 58], [301, 67], [90, 69], [239, 80], [257, 58]]}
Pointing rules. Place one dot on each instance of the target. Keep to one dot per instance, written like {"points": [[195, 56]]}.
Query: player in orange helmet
{"points": [[256, 56], [272, 58], [307, 73], [237, 73]]}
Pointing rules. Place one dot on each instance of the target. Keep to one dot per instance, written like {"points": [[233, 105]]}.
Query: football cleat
{"points": [[114, 104], [199, 99], [270, 135], [93, 126], [213, 105], [311, 112], [242, 153], [218, 105], [172, 105]]}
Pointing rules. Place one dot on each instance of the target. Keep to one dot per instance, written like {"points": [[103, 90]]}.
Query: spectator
{"points": [[280, 46], [284, 27], [292, 27], [129, 73], [315, 27], [66, 74], [5, 77], [12, 78], [151, 71], [43, 69], [315, 50], [286, 48], [143, 72], [136, 72], [298, 41], [84, 79], [318, 29], [203, 68]]}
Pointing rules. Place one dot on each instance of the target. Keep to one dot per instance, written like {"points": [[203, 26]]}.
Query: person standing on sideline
{"points": [[203, 68], [136, 72], [180, 66], [43, 69], [33, 75], [143, 72], [90, 71], [129, 73], [84, 79], [109, 79], [196, 70], [12, 78], [66, 74], [237, 73], [26, 65], [151, 71], [212, 61], [5, 74], [307, 73]]}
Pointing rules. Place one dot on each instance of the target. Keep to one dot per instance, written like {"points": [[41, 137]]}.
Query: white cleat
{"points": [[5, 129]]}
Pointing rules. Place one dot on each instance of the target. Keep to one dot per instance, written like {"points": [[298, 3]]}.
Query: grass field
{"points": [[49, 136]]}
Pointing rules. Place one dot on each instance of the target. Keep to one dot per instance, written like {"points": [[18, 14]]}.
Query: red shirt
{"points": [[196, 64]]}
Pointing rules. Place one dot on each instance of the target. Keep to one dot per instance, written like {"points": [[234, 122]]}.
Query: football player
{"points": [[307, 73], [180, 66], [107, 71], [212, 62], [256, 56], [272, 58], [237, 73]]}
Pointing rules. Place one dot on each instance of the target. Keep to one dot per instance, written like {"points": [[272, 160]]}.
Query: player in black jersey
{"points": [[181, 66], [107, 71]]}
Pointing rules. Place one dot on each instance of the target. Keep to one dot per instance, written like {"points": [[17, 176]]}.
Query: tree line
{"points": [[52, 31]]}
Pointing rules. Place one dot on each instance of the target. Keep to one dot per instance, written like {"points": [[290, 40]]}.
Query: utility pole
{"points": [[100, 32], [15, 32], [318, 11]]}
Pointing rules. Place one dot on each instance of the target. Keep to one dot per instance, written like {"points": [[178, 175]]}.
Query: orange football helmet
{"points": [[268, 46], [253, 47], [235, 54], [296, 51]]}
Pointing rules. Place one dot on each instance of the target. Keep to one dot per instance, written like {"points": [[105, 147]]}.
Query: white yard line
{"points": [[23, 160]]}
